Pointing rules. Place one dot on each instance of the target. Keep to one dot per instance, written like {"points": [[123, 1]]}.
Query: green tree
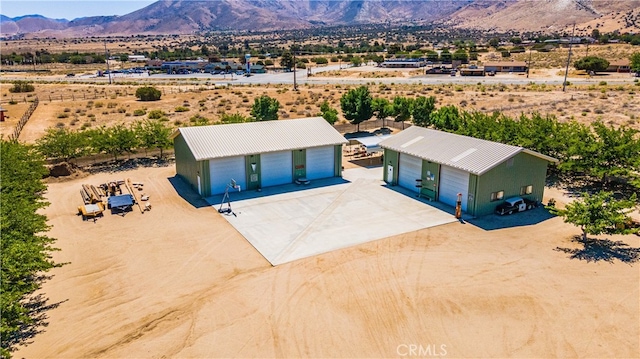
{"points": [[402, 108], [494, 42], [265, 108], [598, 214], [382, 109], [356, 61], [62, 143], [634, 62], [591, 63], [148, 93], [329, 113], [114, 140], [616, 152], [21, 86], [357, 105], [286, 60], [445, 56], [461, 55], [204, 50], [153, 135], [26, 250], [422, 109]]}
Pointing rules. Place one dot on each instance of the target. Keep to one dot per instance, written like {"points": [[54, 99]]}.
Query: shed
{"points": [[485, 173], [257, 154], [506, 66]]}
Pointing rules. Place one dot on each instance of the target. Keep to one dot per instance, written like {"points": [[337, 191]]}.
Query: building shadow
{"points": [[487, 222], [531, 217], [435, 204], [595, 250], [187, 193], [368, 162], [276, 190]]}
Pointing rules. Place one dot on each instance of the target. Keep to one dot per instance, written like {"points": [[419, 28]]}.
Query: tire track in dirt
{"points": [[173, 316]]}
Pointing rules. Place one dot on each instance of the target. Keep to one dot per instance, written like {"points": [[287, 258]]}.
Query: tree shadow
{"points": [[594, 250], [37, 308]]}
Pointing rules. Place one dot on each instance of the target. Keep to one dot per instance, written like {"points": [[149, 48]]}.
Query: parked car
{"points": [[515, 204]]}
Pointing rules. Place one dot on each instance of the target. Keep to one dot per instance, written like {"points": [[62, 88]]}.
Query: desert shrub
{"points": [[181, 109], [21, 86], [148, 93], [139, 112], [156, 114]]}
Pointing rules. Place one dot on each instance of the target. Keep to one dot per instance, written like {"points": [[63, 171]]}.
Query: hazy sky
{"points": [[70, 10]]}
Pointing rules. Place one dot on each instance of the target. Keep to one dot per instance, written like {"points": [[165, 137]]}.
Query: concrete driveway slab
{"points": [[290, 222]]}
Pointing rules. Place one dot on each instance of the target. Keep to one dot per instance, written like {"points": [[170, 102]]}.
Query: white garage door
{"points": [[276, 168], [452, 182], [222, 170], [320, 162], [410, 169]]}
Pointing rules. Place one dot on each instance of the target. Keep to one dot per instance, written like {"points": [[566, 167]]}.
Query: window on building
{"points": [[526, 190], [510, 162], [496, 196]]}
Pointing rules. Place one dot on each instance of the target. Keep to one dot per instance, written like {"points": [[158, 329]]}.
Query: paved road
{"points": [[317, 78]]}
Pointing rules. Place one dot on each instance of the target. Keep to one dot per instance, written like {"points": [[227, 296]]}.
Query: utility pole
{"points": [[106, 56], [293, 49], [566, 71], [529, 64]]}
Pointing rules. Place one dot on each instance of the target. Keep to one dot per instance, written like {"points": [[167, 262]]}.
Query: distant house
{"points": [[137, 58], [506, 66], [258, 69], [404, 63], [182, 67], [619, 66], [471, 71]]}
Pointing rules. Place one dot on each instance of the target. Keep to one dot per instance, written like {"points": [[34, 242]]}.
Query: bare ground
{"points": [[179, 281]]}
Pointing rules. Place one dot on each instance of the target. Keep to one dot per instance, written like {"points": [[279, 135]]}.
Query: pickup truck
{"points": [[515, 204]]}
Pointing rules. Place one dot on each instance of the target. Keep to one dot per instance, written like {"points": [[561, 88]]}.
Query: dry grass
{"points": [[96, 105]]}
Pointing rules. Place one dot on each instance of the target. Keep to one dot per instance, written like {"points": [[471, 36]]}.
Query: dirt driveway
{"points": [[180, 282]]}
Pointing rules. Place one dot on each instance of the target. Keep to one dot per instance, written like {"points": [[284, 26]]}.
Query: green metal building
{"points": [[257, 154], [441, 165]]}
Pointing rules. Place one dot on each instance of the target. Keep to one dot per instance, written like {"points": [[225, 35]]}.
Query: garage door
{"points": [[222, 170], [410, 169], [320, 162], [276, 168], [452, 182]]}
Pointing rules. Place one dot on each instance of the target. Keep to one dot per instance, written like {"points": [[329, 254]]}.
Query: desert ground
{"points": [[179, 281], [78, 105]]}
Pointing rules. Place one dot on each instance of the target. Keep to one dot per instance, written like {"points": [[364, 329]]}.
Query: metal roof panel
{"points": [[215, 141], [466, 153]]}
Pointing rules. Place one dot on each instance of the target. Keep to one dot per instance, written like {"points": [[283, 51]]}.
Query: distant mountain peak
{"points": [[189, 16]]}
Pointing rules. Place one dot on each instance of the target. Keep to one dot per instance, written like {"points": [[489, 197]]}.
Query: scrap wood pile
{"points": [[96, 199], [91, 195]]}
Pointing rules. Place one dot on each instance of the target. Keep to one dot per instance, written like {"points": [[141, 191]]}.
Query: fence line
{"points": [[23, 121], [371, 124]]}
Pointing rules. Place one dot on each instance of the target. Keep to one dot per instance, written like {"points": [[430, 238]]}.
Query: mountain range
{"points": [[189, 16]]}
